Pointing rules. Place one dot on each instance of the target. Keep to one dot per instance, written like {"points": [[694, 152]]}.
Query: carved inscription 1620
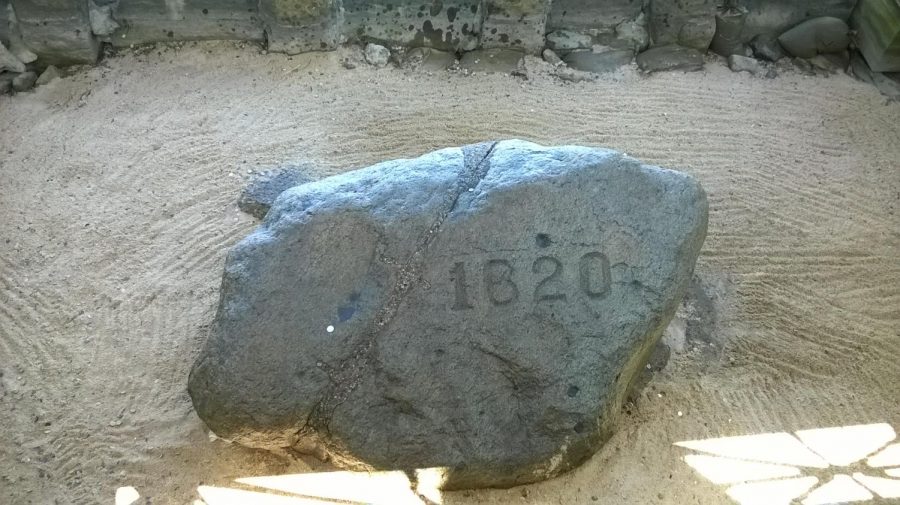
{"points": [[548, 279]]}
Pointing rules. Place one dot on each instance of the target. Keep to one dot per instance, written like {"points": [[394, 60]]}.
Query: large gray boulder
{"points": [[481, 309], [776, 16], [815, 36]]}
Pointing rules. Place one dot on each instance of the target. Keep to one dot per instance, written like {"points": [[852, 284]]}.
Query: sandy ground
{"points": [[118, 190]]}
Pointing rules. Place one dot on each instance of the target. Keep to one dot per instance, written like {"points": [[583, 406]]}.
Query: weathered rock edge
{"points": [[264, 383]]}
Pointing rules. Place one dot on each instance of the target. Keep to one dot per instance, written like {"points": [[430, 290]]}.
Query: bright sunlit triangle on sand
{"points": [[781, 448], [772, 492]]}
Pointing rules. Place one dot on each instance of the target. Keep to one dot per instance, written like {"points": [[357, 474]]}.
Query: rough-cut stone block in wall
{"points": [[599, 63], [492, 60], [4, 22], [877, 24], [729, 26], [591, 15], [776, 16], [58, 31], [482, 310], [295, 26], [8, 61], [670, 57], [690, 23], [519, 24], [565, 40], [142, 21], [453, 25]]}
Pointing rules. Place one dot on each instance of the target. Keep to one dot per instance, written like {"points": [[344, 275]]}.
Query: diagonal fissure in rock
{"points": [[507, 294], [346, 376]]}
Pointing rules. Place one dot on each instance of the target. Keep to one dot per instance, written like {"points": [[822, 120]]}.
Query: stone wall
{"points": [[58, 31], [142, 21], [4, 26], [776, 16], [71, 31]]}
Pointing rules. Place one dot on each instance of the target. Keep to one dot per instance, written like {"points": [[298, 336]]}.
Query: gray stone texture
{"points": [[517, 24], [567, 40], [14, 37], [729, 26], [296, 26], [24, 81], [776, 16], [551, 57], [453, 25], [58, 31], [103, 23], [816, 36], [888, 86], [8, 61], [859, 68], [491, 60], [877, 24], [767, 47], [4, 21], [690, 23], [377, 55], [143, 21], [591, 15], [49, 74], [738, 63], [831, 63], [671, 57], [483, 309], [599, 63], [633, 34]]}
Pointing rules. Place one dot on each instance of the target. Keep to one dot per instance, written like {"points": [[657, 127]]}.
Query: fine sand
{"points": [[118, 189]]}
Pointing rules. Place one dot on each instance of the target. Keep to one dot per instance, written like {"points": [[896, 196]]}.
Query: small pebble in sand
{"points": [[551, 57], [738, 63]]}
